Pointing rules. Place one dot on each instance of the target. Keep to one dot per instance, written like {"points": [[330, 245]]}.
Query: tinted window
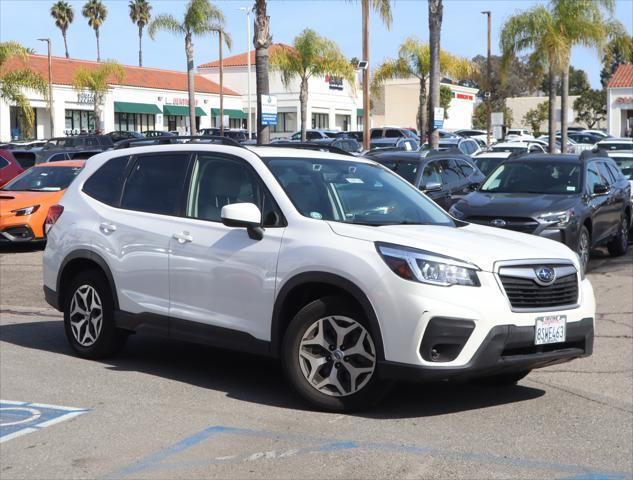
{"points": [[432, 173], [487, 164], [626, 167], [155, 184], [106, 141], [466, 168], [407, 170], [3, 162], [43, 179], [605, 173], [593, 177], [312, 135], [531, 176], [25, 159], [616, 146], [58, 157], [376, 133], [450, 172], [106, 183], [391, 133]]}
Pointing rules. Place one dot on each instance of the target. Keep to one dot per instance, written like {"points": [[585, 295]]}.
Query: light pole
{"points": [[248, 11], [488, 93], [50, 88]]}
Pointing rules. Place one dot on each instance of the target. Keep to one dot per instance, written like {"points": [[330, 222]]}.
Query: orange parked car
{"points": [[25, 200]]}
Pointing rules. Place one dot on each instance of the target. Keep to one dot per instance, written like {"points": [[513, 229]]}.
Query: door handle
{"points": [[183, 237], [107, 227]]}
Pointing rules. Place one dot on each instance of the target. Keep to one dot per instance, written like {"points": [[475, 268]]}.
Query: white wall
{"points": [[615, 110]]}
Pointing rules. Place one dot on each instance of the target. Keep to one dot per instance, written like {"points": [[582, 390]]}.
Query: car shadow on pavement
{"points": [[257, 379], [22, 247]]}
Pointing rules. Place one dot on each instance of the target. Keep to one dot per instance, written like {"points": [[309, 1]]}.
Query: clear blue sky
{"points": [[463, 30]]}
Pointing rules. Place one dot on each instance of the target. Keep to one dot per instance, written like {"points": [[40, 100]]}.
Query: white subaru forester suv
{"points": [[335, 265]]}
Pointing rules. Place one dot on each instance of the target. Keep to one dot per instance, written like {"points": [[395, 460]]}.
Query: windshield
{"points": [[559, 178], [508, 149], [487, 164], [616, 146], [626, 167], [353, 192], [43, 179]]}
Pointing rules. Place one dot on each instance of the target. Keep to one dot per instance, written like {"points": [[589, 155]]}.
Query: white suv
{"points": [[334, 264]]}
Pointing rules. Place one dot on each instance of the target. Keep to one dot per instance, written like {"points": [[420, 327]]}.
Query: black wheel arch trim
{"points": [[85, 254], [329, 279]]}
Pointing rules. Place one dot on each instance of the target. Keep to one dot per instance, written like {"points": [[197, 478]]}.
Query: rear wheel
{"points": [[89, 317], [619, 244], [329, 357], [584, 248]]}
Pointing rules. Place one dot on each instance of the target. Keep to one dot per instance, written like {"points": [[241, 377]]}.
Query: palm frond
{"points": [[388, 70], [165, 22], [200, 14]]}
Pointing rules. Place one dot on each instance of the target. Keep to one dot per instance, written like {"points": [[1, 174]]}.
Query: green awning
{"points": [[230, 112], [129, 107], [181, 110], [360, 112]]}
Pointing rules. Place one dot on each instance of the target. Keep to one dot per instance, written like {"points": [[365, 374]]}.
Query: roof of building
{"points": [[64, 69], [623, 76], [241, 59]]}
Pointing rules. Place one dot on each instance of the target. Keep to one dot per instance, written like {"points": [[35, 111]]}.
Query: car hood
{"points": [[476, 244], [513, 204], [13, 200]]}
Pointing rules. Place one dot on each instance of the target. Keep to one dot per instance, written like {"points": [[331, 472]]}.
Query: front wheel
{"points": [[618, 245], [329, 357], [584, 248]]}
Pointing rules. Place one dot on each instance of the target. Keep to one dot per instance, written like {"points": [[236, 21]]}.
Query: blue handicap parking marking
{"points": [[21, 418]]}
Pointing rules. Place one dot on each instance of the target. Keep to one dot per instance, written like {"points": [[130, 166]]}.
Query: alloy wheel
{"points": [[337, 356], [86, 315], [624, 233], [583, 250]]}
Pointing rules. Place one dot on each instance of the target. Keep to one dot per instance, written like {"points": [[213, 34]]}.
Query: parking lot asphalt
{"points": [[164, 409]]}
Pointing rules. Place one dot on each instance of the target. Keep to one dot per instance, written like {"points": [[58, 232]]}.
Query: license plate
{"points": [[551, 329]]}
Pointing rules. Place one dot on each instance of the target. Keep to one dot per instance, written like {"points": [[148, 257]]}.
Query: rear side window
{"points": [[377, 133], [106, 183], [25, 159], [155, 184], [3, 162], [466, 167], [391, 133], [106, 141]]}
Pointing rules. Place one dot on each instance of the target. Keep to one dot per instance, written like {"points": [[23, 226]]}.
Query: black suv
{"points": [[445, 177], [92, 142], [582, 201]]}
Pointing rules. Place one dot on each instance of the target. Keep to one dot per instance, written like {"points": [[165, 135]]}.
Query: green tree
{"points": [[591, 107], [617, 52], [96, 81], [446, 96], [436, 11], [536, 116], [14, 80], [578, 82], [140, 14], [64, 15], [96, 13], [201, 18], [479, 116], [551, 32], [311, 56], [414, 61]]}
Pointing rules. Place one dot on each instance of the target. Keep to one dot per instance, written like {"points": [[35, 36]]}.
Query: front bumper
{"points": [[506, 348], [18, 234]]}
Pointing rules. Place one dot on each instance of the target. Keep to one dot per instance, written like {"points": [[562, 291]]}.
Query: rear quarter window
{"points": [[106, 183], [3, 162]]}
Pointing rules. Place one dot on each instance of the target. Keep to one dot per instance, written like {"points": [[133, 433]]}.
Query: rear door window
{"points": [[606, 173], [106, 183], [593, 177], [155, 184], [432, 173], [451, 173]]}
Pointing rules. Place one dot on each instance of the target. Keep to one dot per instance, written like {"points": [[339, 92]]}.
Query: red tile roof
{"points": [[623, 76], [64, 72], [241, 60]]}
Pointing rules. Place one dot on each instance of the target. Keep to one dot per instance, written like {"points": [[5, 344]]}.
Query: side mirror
{"points": [[244, 215], [431, 187], [474, 187], [600, 189]]}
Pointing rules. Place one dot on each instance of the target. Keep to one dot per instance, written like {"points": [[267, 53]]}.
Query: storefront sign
{"points": [[269, 110], [335, 83], [183, 102], [463, 96], [85, 98], [624, 101]]}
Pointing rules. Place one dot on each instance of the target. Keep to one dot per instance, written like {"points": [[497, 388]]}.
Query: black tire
{"points": [[109, 339], [504, 379], [584, 242], [619, 244], [370, 394]]}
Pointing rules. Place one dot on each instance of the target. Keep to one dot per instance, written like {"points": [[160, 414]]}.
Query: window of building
{"points": [[320, 120], [78, 121], [286, 122], [134, 122]]}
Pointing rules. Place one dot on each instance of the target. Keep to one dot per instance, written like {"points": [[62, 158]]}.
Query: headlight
{"points": [[558, 219], [455, 213], [427, 267], [21, 212]]}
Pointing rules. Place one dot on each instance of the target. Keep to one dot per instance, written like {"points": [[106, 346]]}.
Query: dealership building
{"points": [[145, 99], [620, 102], [332, 102]]}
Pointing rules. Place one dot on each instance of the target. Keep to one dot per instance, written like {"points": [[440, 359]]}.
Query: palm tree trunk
{"points": [[435, 28], [261, 41], [422, 108], [303, 101], [140, 46], [98, 46], [190, 84], [221, 85], [564, 102], [552, 112], [65, 43]]}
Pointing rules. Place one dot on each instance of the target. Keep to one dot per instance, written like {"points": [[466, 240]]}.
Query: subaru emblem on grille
{"points": [[498, 222], [545, 275]]}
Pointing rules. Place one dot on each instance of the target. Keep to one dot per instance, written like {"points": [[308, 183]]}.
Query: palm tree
{"points": [[13, 81], [311, 56], [96, 82], [201, 18], [414, 60], [96, 12], [436, 10], [261, 41], [64, 15], [140, 14], [549, 34]]}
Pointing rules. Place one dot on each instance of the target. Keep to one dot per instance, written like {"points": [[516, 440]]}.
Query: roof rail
{"points": [[444, 151], [598, 152], [142, 142], [319, 147], [518, 154]]}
